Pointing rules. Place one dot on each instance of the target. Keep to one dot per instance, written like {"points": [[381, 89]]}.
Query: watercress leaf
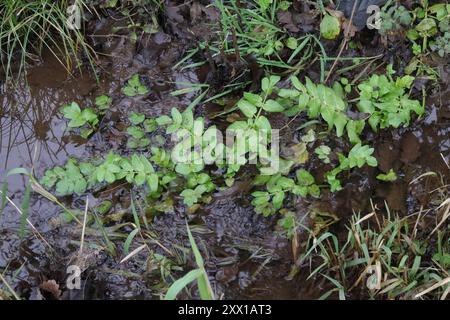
{"points": [[199, 190], [144, 142], [254, 99], [176, 116], [314, 191], [301, 191], [142, 90], [139, 179], [263, 123], [297, 84], [71, 111], [304, 178], [103, 102], [76, 122], [134, 81], [189, 197], [199, 127], [272, 106], [340, 120], [260, 200], [288, 93], [390, 176], [132, 143], [183, 169], [330, 27], [172, 128], [247, 108], [136, 118], [268, 83], [147, 166], [152, 182], [109, 177], [150, 125], [188, 118], [277, 200], [374, 120], [129, 91], [80, 185], [136, 132]]}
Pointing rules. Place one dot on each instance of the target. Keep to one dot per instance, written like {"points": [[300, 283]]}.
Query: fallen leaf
{"points": [[52, 287]]}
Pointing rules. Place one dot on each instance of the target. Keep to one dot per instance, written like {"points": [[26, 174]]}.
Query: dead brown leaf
{"points": [[52, 287]]}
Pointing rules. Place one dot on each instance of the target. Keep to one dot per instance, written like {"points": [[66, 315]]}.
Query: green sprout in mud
{"points": [[316, 100], [140, 127], [85, 119], [134, 87], [431, 28], [394, 18], [330, 27], [387, 177], [271, 201], [386, 101], [78, 177], [358, 156], [103, 102], [442, 45], [323, 153]]}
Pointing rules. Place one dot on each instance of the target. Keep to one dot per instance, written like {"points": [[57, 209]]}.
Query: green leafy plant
{"points": [[394, 18], [68, 179], [103, 102], [140, 127], [388, 177], [86, 120], [431, 28], [323, 152], [134, 87], [319, 100], [387, 102], [358, 156], [78, 177], [330, 27], [271, 201]]}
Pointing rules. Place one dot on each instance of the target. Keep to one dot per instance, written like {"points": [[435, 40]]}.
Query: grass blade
{"points": [[127, 244], [181, 283], [25, 209]]}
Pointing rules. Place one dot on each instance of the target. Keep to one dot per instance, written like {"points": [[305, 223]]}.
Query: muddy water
{"points": [[245, 258], [34, 135]]}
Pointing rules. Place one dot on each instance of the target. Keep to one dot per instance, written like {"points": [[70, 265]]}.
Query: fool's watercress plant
{"points": [[140, 127], [86, 120], [278, 187], [358, 156], [387, 102]]}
